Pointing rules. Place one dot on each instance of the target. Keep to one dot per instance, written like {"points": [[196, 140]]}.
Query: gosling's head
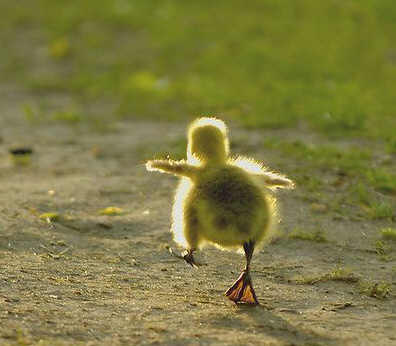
{"points": [[207, 141]]}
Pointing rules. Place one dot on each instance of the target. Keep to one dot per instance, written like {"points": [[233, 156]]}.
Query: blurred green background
{"points": [[330, 65], [313, 69]]}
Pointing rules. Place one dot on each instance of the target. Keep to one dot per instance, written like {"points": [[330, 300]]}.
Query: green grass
{"points": [[383, 250], [388, 233], [382, 179], [272, 64], [338, 274], [348, 168], [176, 150], [379, 290], [315, 236], [70, 117], [381, 210], [329, 67], [326, 157], [50, 217], [111, 211]]}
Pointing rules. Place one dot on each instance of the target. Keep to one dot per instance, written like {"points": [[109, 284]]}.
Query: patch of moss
{"points": [[316, 236], [361, 194], [379, 290], [380, 210], [382, 180], [60, 48], [32, 115], [69, 117], [381, 248], [389, 233], [111, 211], [338, 274], [383, 251], [52, 217]]}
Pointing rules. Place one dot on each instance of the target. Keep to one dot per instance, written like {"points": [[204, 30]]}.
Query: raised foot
{"points": [[187, 256], [242, 290]]}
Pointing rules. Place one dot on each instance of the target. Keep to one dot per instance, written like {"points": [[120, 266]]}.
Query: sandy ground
{"points": [[93, 279]]}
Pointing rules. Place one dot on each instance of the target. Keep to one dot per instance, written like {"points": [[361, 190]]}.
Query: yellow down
{"points": [[220, 200]]}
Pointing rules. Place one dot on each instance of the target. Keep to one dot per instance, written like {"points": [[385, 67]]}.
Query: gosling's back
{"points": [[230, 207]]}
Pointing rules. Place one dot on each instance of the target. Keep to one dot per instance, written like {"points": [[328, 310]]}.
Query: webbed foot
{"points": [[242, 290], [187, 256]]}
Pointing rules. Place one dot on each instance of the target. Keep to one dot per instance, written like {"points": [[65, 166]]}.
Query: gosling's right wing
{"points": [[180, 168], [271, 179]]}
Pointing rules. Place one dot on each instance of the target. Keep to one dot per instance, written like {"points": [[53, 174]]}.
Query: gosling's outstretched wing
{"points": [[271, 179], [180, 168]]}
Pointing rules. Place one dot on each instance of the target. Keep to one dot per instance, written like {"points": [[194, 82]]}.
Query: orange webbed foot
{"points": [[242, 290]]}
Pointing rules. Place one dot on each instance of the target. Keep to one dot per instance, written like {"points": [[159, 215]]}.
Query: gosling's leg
{"points": [[187, 256], [242, 290]]}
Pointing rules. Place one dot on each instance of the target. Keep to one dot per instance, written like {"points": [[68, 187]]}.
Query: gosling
{"points": [[221, 200]]}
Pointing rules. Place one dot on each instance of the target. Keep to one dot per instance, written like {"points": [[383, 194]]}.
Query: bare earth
{"points": [[93, 279]]}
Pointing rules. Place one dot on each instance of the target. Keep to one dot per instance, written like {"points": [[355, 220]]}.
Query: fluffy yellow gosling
{"points": [[221, 200]]}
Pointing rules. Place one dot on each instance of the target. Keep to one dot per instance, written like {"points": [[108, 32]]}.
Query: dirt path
{"points": [[96, 279]]}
